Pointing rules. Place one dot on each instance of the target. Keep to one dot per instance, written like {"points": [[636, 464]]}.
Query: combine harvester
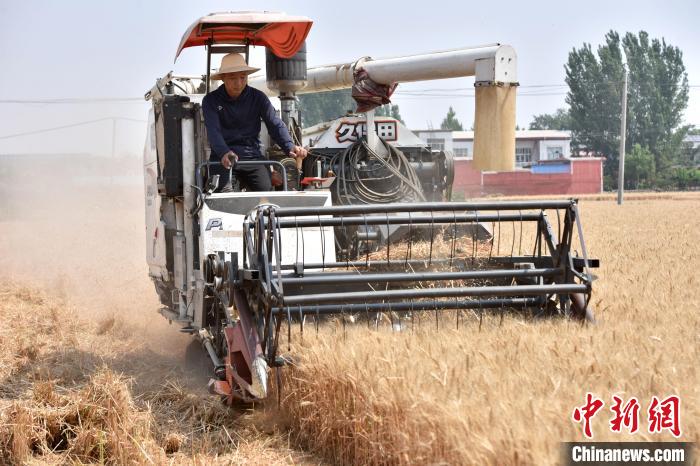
{"points": [[360, 228]]}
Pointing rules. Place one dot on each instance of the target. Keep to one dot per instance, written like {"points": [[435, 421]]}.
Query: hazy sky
{"points": [[100, 49]]}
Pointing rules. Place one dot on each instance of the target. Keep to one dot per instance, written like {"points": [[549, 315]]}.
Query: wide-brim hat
{"points": [[233, 63]]}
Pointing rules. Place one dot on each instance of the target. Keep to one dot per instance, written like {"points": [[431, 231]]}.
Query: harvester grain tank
{"points": [[363, 226]]}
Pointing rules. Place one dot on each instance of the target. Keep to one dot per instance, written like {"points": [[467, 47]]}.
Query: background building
{"points": [[693, 143], [531, 146], [543, 165]]}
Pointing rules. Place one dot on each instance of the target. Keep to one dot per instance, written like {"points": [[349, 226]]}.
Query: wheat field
{"points": [[91, 374]]}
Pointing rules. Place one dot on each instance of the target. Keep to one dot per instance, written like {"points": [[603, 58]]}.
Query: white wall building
{"points": [[531, 146], [693, 143]]}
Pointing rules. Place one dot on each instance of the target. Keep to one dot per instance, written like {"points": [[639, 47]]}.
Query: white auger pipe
{"points": [[490, 64], [495, 69]]}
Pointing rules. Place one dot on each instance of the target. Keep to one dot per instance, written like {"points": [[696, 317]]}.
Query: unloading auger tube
{"points": [[264, 291]]}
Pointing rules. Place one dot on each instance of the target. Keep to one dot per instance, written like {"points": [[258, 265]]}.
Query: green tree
{"points": [[594, 98], [451, 122], [558, 120], [683, 178], [657, 97], [639, 167], [389, 110], [318, 107]]}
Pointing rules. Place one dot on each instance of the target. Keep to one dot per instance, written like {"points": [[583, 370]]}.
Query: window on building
{"points": [[461, 152], [555, 152], [436, 143], [523, 155]]}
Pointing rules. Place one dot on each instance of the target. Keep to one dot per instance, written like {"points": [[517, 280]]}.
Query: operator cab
{"points": [[174, 96]]}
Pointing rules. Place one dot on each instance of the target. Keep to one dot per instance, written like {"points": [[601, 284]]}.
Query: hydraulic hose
{"points": [[365, 177]]}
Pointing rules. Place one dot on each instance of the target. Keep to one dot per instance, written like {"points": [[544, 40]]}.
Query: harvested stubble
{"points": [[504, 392], [97, 423], [65, 399]]}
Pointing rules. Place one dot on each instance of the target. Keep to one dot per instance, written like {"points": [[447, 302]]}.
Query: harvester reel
{"points": [[542, 279]]}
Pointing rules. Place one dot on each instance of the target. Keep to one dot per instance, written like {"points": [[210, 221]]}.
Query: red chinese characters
{"points": [[627, 415], [586, 412], [665, 414]]}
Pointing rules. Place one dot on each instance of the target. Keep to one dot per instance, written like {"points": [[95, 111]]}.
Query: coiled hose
{"points": [[365, 177]]}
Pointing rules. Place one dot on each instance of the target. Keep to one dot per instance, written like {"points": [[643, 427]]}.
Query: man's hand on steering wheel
{"points": [[298, 152], [229, 159]]}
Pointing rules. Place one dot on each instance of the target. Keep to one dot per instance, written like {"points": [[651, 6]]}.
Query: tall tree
{"points": [[318, 107], [639, 167], [390, 110], [594, 97], [451, 122], [559, 120], [657, 97], [658, 90]]}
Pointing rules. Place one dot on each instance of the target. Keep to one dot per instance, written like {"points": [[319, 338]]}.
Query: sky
{"points": [[109, 49]]}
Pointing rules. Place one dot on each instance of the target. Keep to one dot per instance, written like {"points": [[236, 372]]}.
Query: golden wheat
{"points": [[503, 392]]}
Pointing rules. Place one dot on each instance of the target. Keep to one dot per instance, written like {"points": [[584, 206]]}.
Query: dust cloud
{"points": [[73, 226]]}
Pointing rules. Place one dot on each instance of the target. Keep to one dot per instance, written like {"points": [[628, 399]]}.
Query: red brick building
{"points": [[543, 165], [567, 176]]}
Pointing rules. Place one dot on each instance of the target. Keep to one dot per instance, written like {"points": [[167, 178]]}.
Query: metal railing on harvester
{"points": [[551, 280]]}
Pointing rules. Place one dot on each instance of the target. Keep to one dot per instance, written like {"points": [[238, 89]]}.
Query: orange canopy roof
{"points": [[281, 33]]}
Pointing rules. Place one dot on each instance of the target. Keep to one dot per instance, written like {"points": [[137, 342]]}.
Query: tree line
{"points": [[657, 96]]}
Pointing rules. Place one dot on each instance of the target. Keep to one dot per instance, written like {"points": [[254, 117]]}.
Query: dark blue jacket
{"points": [[234, 124]]}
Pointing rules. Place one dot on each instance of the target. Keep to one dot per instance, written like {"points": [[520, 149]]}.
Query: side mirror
{"points": [[212, 184]]}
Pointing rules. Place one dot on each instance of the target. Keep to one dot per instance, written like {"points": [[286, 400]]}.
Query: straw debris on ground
{"points": [[75, 392]]}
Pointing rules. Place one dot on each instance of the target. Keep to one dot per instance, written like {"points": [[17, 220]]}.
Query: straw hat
{"points": [[233, 63]]}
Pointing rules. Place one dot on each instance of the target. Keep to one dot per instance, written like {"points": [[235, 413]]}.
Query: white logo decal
{"points": [[351, 131]]}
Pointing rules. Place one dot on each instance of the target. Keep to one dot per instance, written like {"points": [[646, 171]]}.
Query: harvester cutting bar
{"points": [[416, 293], [422, 207], [330, 278], [404, 220], [544, 261], [423, 305]]}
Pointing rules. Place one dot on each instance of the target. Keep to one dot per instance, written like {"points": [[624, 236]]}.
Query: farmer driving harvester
{"points": [[234, 269], [232, 115]]}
